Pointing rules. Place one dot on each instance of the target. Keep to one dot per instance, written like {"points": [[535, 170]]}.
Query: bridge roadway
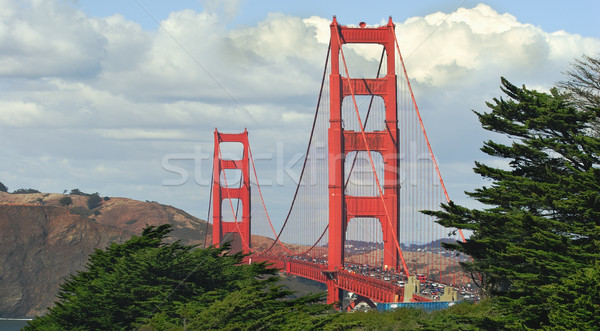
{"points": [[375, 289]]}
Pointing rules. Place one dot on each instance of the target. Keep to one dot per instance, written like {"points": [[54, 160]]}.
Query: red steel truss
{"points": [[221, 193]]}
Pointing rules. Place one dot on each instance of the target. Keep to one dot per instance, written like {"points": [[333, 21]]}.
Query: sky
{"points": [[122, 97]]}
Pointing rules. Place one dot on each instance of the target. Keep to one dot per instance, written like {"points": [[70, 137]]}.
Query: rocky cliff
{"points": [[42, 241]]}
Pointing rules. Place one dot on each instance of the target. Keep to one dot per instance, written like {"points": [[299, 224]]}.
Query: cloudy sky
{"points": [[122, 97]]}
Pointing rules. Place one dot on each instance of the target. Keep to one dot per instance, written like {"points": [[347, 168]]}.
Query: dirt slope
{"points": [[41, 241]]}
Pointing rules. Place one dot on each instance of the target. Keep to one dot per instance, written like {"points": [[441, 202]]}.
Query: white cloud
{"points": [[47, 38], [126, 44], [141, 134], [19, 114], [102, 93], [469, 43], [482, 19]]}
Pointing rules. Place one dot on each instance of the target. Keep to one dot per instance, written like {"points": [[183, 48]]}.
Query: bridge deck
{"points": [[369, 287]]}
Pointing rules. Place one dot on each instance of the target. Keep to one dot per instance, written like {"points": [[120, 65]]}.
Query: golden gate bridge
{"points": [[354, 223]]}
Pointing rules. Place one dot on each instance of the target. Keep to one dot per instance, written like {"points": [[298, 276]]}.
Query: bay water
{"points": [[8, 324]]}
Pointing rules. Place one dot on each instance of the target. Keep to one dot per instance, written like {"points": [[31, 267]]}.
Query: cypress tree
{"points": [[150, 283], [542, 220]]}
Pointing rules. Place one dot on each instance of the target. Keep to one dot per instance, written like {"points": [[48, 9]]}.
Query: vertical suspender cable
{"points": [[209, 201], [263, 200], [425, 134], [306, 158], [437, 169], [374, 230]]}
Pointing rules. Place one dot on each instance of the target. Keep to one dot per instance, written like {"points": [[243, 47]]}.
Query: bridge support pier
{"points": [[412, 286], [334, 294]]}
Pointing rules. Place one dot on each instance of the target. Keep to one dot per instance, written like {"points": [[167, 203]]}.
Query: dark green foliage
{"points": [[399, 319], [466, 316], [575, 303], [543, 215], [94, 201], [254, 304], [149, 284], [25, 191], [463, 316], [76, 191], [106, 198], [3, 188], [65, 201]]}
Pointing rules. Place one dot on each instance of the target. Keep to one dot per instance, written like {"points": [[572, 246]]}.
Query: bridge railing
{"points": [[376, 289]]}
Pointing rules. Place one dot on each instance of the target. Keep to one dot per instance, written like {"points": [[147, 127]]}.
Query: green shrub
{"points": [[94, 200], [76, 191], [65, 201], [25, 191]]}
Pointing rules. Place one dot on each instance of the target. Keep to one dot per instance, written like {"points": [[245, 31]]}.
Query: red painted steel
{"points": [[336, 281], [418, 298], [220, 193], [343, 208], [369, 287]]}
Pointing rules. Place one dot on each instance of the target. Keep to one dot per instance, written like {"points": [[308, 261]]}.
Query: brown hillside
{"points": [[41, 242]]}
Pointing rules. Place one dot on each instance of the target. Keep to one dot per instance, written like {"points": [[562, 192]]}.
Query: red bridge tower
{"points": [[343, 207], [232, 229]]}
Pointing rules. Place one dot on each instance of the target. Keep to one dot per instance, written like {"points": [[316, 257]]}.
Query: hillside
{"points": [[41, 242]]}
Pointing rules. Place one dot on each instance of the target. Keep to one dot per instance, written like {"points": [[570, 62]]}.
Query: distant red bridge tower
{"points": [[234, 230]]}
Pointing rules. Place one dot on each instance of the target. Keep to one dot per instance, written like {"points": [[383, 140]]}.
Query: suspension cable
{"points": [[212, 174], [312, 131], [263, 202], [437, 169], [369, 233], [366, 117]]}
